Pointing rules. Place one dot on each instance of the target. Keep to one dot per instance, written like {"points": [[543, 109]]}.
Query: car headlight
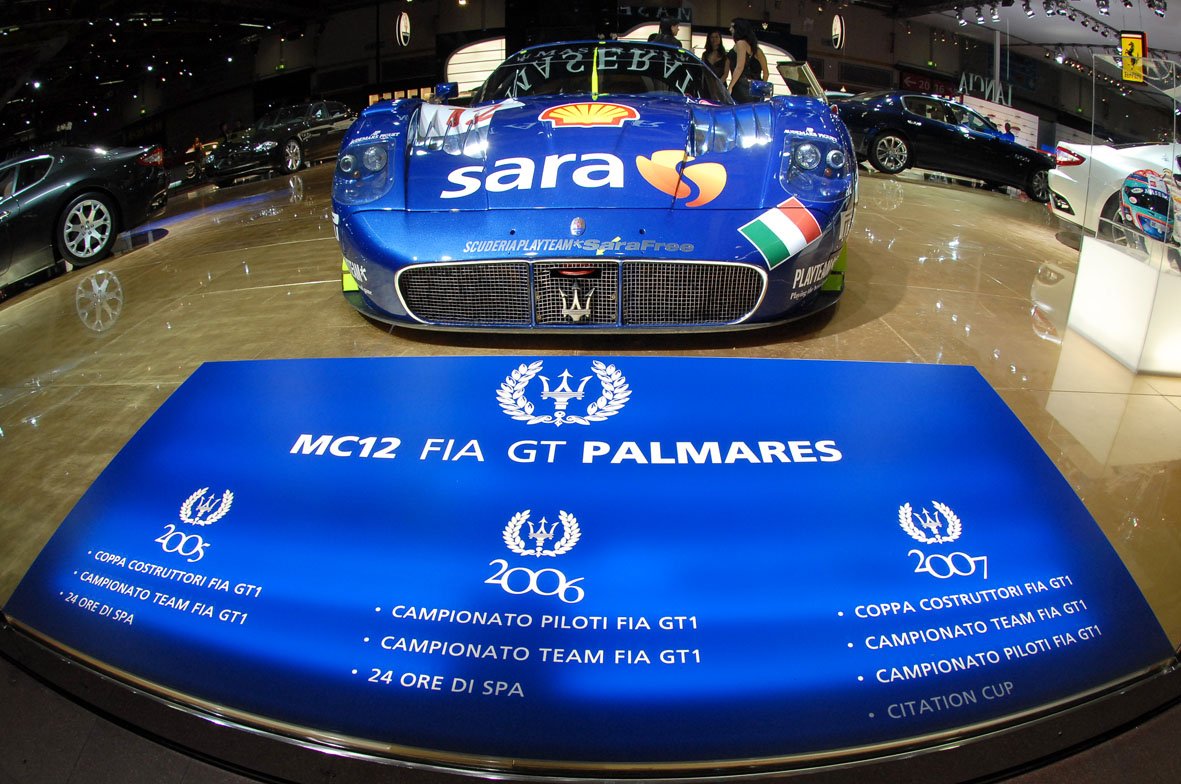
{"points": [[362, 173], [374, 158], [265, 146], [806, 156], [814, 165]]}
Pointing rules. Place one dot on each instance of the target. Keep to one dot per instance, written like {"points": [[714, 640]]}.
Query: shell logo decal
{"points": [[588, 115], [668, 171]]}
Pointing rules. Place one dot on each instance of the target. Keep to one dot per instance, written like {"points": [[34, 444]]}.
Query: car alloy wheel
{"points": [[87, 229], [890, 154], [1039, 186], [292, 156]]}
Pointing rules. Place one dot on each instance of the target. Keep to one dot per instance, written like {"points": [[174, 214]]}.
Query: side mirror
{"points": [[446, 91], [762, 91]]}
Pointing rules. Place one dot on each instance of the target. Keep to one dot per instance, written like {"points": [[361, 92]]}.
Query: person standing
{"points": [[668, 32], [716, 57], [747, 61]]}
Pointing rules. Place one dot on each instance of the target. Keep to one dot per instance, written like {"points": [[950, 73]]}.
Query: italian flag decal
{"points": [[783, 232]]}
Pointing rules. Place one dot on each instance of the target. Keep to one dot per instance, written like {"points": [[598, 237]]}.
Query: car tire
{"points": [[1111, 212], [292, 156], [86, 229], [889, 153], [1038, 187]]}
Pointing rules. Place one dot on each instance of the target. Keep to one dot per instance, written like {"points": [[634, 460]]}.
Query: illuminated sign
{"points": [[1133, 50], [610, 560]]}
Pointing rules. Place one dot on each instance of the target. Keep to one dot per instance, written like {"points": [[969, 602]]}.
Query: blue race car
{"points": [[595, 185]]}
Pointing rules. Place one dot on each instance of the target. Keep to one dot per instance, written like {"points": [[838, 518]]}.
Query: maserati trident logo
{"points": [[202, 509], [575, 310], [571, 533], [939, 530], [514, 401]]}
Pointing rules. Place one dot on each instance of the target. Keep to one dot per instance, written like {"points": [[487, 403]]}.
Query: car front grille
{"points": [[580, 293]]}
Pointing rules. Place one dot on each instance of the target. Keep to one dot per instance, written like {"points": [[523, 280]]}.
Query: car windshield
{"points": [[288, 114], [603, 69], [965, 116]]}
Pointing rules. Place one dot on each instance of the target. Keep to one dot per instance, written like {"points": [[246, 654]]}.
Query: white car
{"points": [[1085, 186]]}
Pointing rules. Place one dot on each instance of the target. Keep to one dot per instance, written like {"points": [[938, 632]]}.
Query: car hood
{"points": [[530, 153]]}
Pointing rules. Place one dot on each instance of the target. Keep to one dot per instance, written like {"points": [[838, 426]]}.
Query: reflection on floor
{"points": [[936, 274]]}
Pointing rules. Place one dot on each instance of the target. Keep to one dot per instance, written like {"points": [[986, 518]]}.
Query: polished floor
{"points": [[937, 273]]}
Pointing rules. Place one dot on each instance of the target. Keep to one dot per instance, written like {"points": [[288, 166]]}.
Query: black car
{"points": [[897, 130], [282, 141], [69, 203]]}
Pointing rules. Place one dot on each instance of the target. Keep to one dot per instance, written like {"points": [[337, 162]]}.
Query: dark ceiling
{"points": [[72, 60], [63, 59]]}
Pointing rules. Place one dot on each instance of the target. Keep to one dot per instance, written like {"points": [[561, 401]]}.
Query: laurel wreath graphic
{"points": [[511, 396], [186, 509], [571, 533], [954, 526]]}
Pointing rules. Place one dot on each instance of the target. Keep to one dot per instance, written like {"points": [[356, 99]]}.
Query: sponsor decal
{"points": [[808, 279], [593, 170], [439, 119], [588, 115], [782, 232], [577, 227], [566, 244], [359, 273], [671, 172], [514, 403]]}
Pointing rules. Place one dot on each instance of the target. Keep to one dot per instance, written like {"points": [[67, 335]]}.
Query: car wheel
{"points": [[86, 229], [889, 153], [1038, 188], [1111, 221], [292, 156]]}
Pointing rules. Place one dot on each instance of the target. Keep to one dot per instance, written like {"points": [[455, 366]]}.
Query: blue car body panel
{"points": [[666, 210]]}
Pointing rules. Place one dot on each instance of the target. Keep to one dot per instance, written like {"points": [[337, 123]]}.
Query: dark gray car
{"points": [[283, 140], [69, 204]]}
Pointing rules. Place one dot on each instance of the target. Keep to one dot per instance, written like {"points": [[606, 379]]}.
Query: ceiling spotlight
{"points": [[1158, 7], [979, 16], [1104, 6], [1059, 56], [1029, 12], [996, 15], [959, 17], [1048, 6], [1127, 3]]}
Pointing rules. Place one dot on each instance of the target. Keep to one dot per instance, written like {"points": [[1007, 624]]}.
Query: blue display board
{"points": [[607, 560]]}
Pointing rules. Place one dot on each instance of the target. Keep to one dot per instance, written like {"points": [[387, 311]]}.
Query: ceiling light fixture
{"points": [[979, 16], [996, 15], [1029, 12], [1059, 56], [1104, 6]]}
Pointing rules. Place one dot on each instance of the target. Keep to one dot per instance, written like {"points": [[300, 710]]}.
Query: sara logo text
{"points": [[942, 526], [669, 171]]}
